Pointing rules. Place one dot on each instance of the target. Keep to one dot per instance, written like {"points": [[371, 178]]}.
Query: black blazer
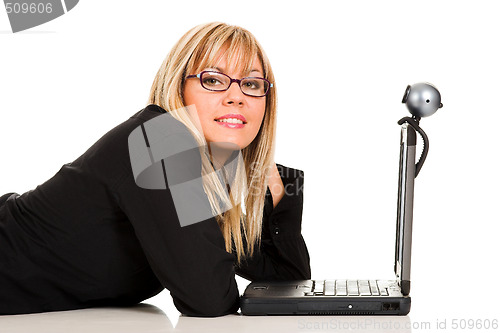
{"points": [[89, 236]]}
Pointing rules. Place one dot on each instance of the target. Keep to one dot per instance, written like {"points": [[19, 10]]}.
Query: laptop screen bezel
{"points": [[404, 219]]}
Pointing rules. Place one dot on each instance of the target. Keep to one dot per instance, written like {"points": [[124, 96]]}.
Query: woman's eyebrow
{"points": [[215, 67], [222, 71]]}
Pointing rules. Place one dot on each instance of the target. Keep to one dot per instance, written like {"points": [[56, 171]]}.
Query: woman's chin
{"points": [[225, 143]]}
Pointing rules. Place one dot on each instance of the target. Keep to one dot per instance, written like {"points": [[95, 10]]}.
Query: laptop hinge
{"points": [[405, 287]]}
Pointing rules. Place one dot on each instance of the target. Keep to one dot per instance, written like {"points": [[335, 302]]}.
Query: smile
{"points": [[230, 120], [230, 123]]}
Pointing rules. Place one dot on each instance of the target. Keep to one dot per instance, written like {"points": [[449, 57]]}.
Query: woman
{"points": [[90, 236]]}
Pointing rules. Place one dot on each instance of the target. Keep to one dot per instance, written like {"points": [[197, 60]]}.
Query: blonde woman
{"points": [[90, 236]]}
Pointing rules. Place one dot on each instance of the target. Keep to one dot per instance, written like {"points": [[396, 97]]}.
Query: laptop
{"points": [[352, 297]]}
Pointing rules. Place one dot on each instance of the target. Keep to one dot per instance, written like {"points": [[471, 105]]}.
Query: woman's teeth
{"points": [[230, 120]]}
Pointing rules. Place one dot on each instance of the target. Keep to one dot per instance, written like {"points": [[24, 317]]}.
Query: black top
{"points": [[89, 236]]}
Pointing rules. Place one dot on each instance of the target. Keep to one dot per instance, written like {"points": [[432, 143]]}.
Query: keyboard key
{"points": [[352, 288], [382, 286], [318, 287], [374, 288], [341, 288], [364, 288], [329, 288]]}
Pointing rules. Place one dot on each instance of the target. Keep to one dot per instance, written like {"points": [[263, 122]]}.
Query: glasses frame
{"points": [[231, 80]]}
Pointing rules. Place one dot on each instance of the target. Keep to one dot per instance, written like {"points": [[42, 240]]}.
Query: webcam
{"points": [[422, 99]]}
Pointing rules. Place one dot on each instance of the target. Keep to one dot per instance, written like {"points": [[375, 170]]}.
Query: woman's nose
{"points": [[234, 95]]}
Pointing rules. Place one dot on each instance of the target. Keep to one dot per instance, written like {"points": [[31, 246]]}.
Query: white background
{"points": [[341, 70]]}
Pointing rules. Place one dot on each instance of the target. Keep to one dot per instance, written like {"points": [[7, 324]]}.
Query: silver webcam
{"points": [[422, 99]]}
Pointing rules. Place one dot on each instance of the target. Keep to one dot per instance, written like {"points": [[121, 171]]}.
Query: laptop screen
{"points": [[405, 203]]}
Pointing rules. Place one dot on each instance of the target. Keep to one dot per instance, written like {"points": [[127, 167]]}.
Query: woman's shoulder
{"points": [[289, 173], [155, 125], [152, 121], [139, 136]]}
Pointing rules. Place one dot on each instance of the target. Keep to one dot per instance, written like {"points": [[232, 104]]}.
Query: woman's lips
{"points": [[233, 116], [230, 125]]}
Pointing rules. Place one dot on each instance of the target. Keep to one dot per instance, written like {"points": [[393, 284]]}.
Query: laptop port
{"points": [[390, 306]]}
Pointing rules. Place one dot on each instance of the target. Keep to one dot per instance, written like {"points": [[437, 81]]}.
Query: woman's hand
{"points": [[276, 185]]}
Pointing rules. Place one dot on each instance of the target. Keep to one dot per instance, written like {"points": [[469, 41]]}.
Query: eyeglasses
{"points": [[216, 81]]}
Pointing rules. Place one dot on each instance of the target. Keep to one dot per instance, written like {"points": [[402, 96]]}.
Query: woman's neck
{"points": [[220, 152]]}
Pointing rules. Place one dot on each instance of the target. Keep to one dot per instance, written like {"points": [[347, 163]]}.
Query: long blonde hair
{"points": [[195, 50]]}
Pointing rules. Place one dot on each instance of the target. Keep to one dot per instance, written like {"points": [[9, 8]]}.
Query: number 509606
{"points": [[25, 8]]}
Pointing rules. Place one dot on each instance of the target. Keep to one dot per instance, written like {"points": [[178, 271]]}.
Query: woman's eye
{"points": [[211, 81], [252, 84]]}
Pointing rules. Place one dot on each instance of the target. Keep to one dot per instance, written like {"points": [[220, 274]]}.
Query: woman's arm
{"points": [[276, 185], [283, 254], [190, 261]]}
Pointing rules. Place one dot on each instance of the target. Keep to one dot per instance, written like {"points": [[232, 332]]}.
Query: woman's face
{"points": [[212, 105]]}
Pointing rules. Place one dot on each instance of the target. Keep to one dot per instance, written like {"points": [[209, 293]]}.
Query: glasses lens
{"points": [[214, 81], [254, 86]]}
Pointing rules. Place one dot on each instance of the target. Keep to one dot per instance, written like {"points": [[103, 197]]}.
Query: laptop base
{"points": [[288, 298]]}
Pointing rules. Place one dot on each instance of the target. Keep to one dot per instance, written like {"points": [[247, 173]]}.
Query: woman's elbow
{"points": [[209, 307]]}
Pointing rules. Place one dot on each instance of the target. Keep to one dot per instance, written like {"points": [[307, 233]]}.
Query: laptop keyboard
{"points": [[348, 288]]}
